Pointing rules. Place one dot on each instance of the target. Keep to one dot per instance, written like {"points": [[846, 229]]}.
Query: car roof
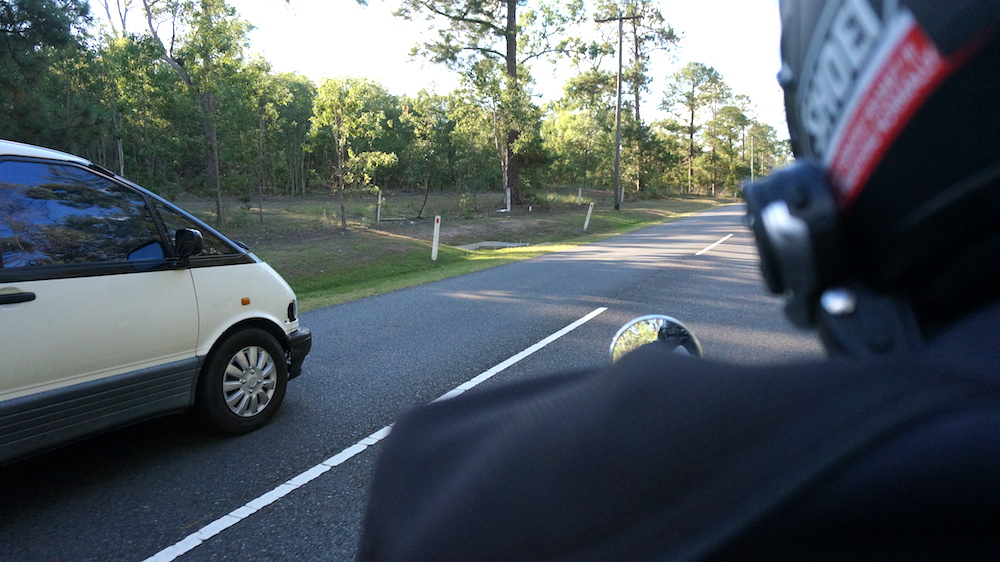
{"points": [[13, 148]]}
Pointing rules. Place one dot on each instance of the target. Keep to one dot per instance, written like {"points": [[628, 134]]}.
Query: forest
{"points": [[167, 94]]}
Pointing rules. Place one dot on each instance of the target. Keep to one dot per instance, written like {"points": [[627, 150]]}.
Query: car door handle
{"points": [[14, 298]]}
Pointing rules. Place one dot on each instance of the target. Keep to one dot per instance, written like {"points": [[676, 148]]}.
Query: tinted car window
{"points": [[174, 221], [53, 214]]}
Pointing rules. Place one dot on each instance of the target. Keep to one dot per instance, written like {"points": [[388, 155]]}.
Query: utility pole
{"points": [[618, 110]]}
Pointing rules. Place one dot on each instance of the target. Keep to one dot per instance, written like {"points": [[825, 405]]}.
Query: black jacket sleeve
{"points": [[657, 457]]}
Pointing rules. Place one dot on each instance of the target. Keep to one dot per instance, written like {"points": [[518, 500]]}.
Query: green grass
{"points": [[414, 268], [301, 237]]}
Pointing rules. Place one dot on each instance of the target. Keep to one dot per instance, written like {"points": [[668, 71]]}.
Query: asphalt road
{"points": [[295, 490]]}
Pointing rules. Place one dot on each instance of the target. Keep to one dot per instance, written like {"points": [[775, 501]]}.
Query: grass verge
{"points": [[328, 265]]}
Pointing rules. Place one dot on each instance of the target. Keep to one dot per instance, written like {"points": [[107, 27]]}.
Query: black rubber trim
{"points": [[38, 422]]}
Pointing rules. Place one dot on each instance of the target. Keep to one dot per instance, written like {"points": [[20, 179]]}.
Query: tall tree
{"points": [[345, 122], [248, 120], [765, 151], [671, 135], [37, 37], [31, 26], [428, 153], [471, 30], [215, 38], [693, 89], [154, 134], [724, 135], [474, 140], [646, 32], [580, 127], [293, 124]]}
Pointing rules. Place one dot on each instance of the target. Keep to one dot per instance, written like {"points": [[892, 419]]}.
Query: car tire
{"points": [[243, 382]]}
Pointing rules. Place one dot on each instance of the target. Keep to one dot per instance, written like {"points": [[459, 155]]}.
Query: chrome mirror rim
{"points": [[648, 329]]}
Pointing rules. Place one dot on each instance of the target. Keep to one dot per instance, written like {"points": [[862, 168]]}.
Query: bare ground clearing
{"points": [[466, 218], [302, 238]]}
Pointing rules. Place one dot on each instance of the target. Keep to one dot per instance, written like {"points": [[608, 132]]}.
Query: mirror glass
{"points": [[189, 242], [654, 328]]}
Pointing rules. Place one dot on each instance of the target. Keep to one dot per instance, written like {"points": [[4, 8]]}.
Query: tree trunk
{"points": [[341, 186], [343, 206], [637, 98], [120, 154], [205, 105], [512, 176], [261, 163], [427, 189], [212, 156], [715, 171], [691, 152], [302, 171]]}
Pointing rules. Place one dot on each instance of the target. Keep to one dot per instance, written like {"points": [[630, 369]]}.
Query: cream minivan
{"points": [[117, 306]]}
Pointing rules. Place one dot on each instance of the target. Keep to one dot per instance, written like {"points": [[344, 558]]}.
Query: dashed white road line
{"points": [[500, 367], [214, 528], [703, 250]]}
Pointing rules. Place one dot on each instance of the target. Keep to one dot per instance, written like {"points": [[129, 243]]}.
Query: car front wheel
{"points": [[243, 382]]}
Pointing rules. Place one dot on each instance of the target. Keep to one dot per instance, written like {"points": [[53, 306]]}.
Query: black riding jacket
{"points": [[662, 457]]}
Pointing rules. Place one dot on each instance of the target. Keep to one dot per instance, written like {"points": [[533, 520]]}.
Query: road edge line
{"points": [[212, 529]]}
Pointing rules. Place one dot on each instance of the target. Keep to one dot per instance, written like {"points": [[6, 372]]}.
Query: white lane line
{"points": [[727, 237], [500, 367], [215, 527]]}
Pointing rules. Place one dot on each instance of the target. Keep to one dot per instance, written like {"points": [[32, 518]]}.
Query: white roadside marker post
{"points": [[590, 210], [437, 238]]}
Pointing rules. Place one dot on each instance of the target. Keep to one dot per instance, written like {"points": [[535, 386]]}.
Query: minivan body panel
{"points": [[265, 292], [136, 320]]}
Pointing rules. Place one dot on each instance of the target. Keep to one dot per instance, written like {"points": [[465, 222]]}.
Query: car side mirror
{"points": [[188, 242], [655, 329]]}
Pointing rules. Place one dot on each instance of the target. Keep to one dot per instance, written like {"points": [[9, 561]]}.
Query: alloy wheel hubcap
{"points": [[249, 381]]}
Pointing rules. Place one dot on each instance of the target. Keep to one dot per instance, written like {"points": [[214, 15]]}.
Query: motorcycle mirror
{"points": [[658, 329]]}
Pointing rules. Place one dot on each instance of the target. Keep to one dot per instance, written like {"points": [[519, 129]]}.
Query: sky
{"points": [[330, 38]]}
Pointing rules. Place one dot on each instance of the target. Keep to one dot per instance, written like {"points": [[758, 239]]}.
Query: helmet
{"points": [[893, 110]]}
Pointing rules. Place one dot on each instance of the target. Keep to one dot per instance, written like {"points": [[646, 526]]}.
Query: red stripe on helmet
{"points": [[912, 70]]}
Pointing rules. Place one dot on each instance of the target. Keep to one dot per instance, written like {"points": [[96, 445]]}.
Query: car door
{"points": [[86, 290]]}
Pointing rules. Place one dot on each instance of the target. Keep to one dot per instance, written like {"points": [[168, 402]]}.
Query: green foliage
{"points": [[581, 145], [695, 89], [44, 91], [470, 30], [645, 32], [482, 39], [429, 156], [181, 109], [294, 95], [348, 118]]}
